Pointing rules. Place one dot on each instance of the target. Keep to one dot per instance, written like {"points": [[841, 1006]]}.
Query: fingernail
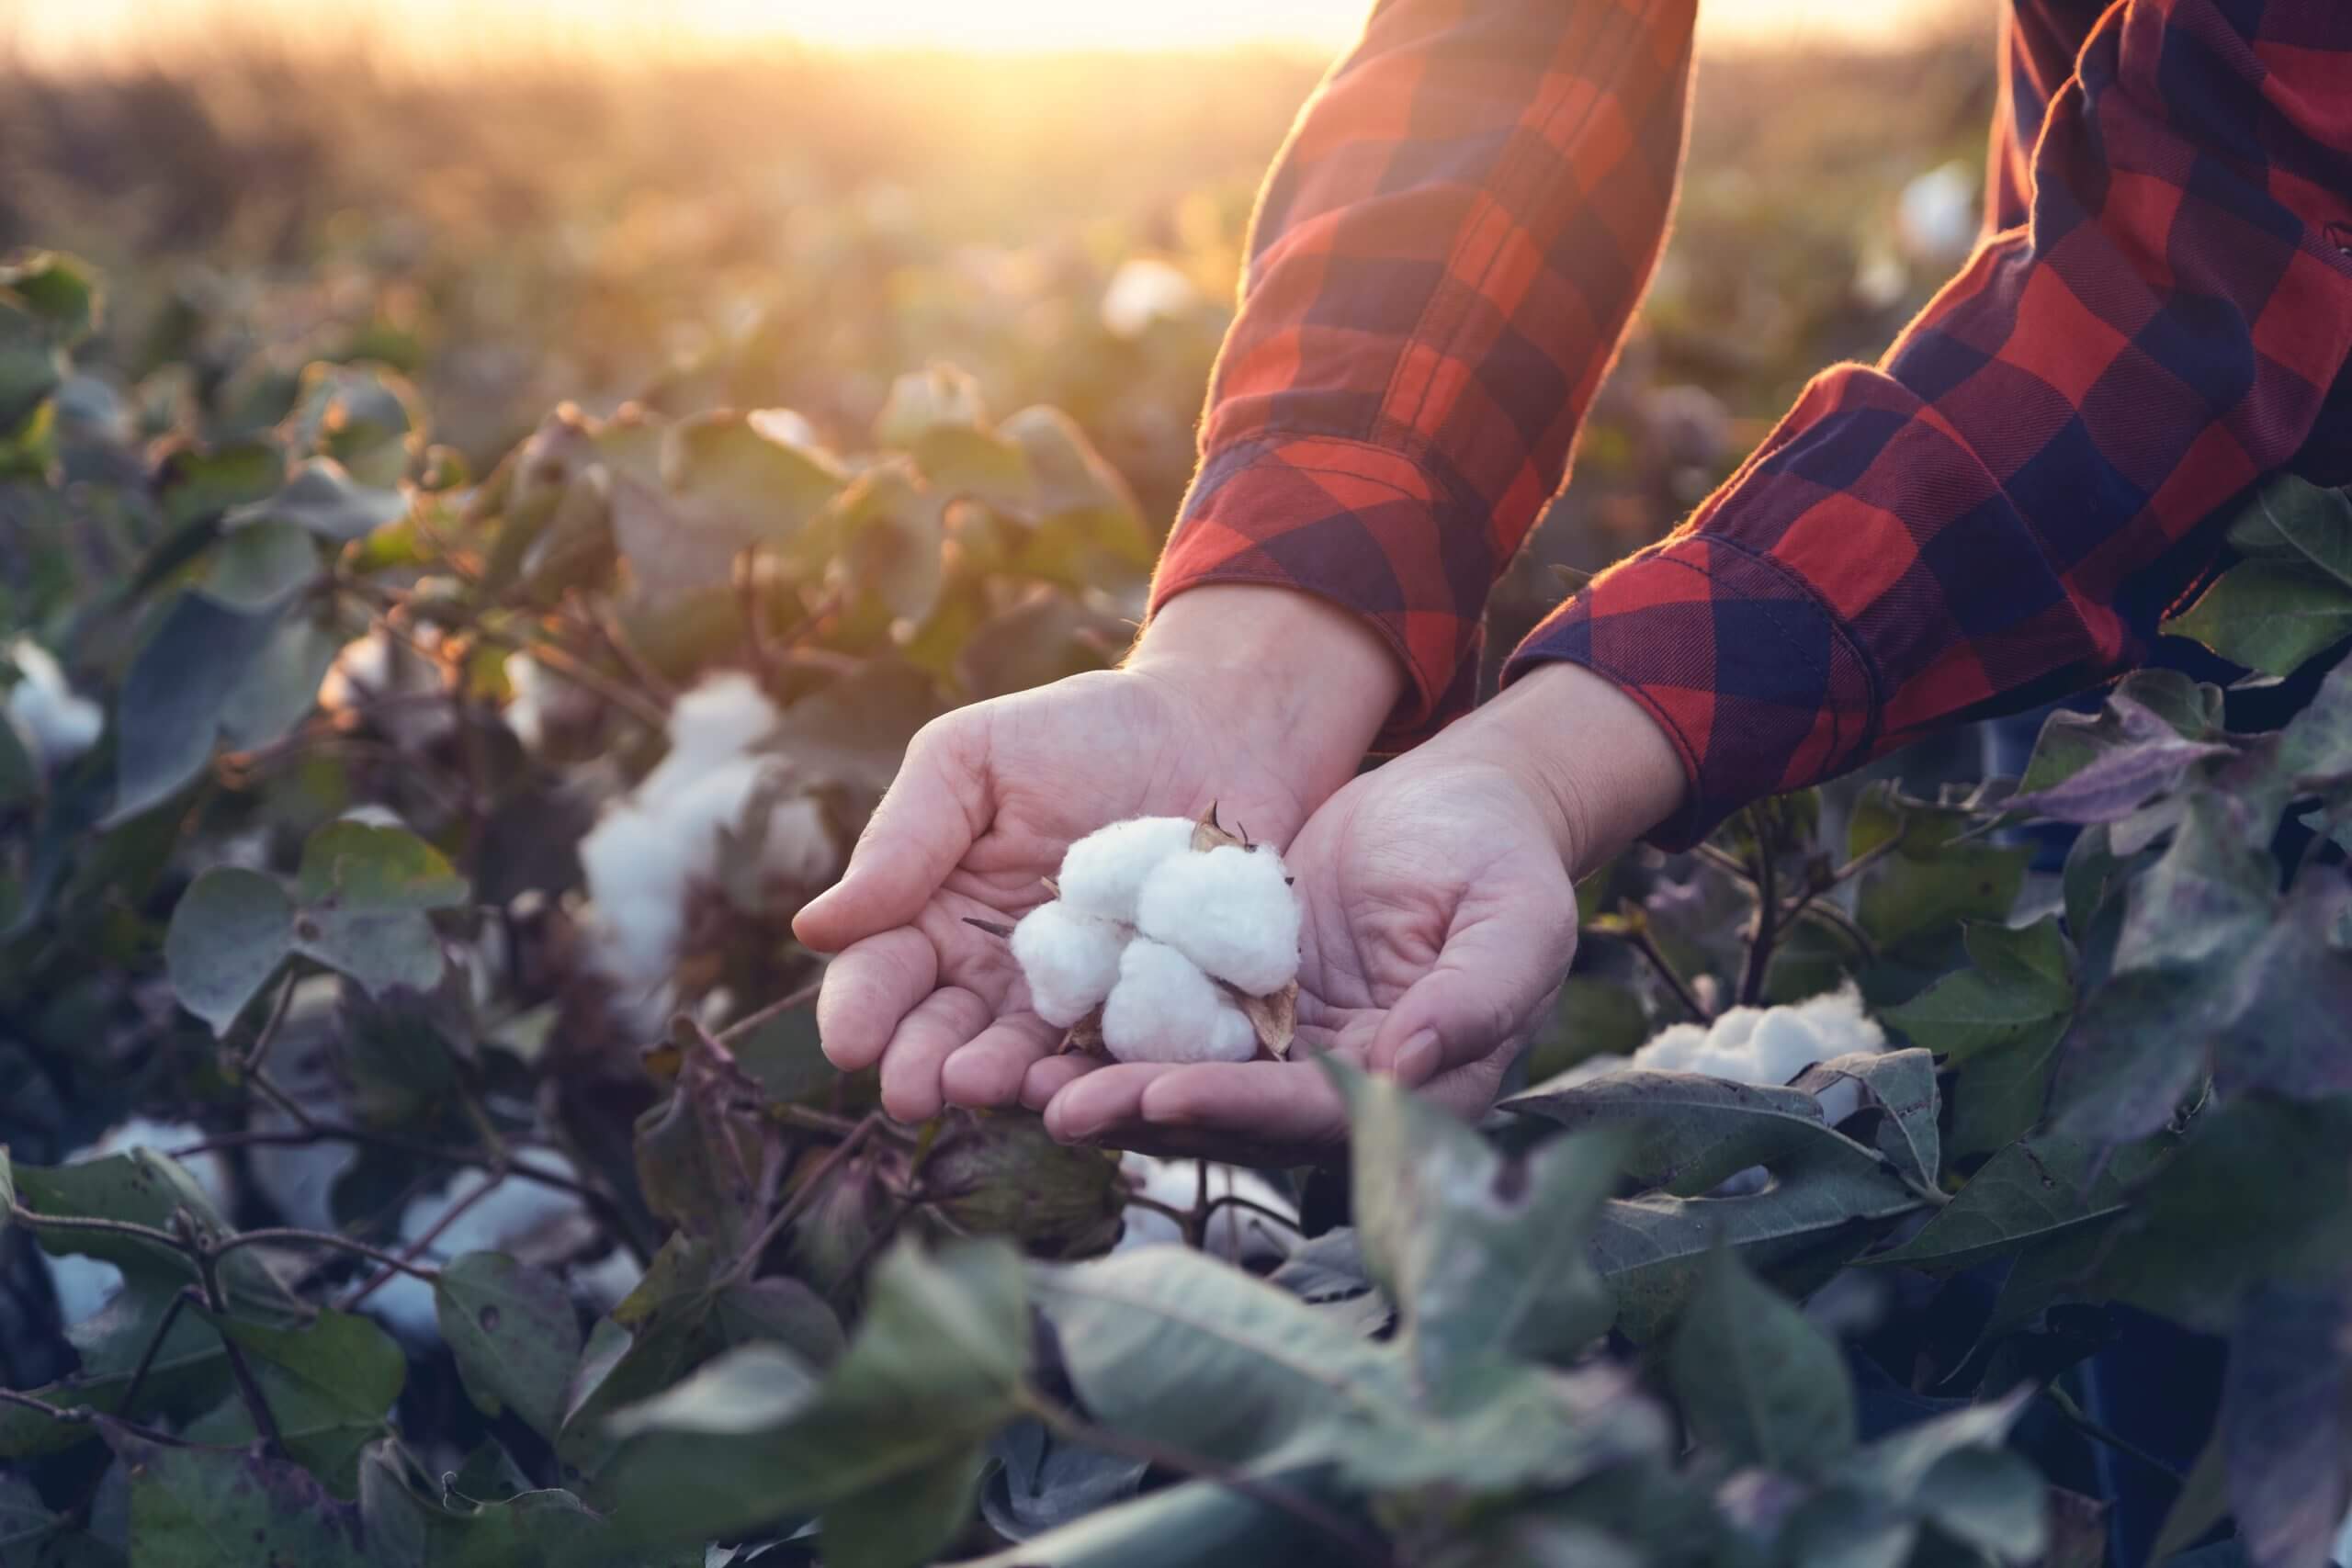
{"points": [[1417, 1060]]}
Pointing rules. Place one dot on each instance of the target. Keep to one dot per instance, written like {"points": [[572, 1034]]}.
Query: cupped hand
{"points": [[1440, 917], [989, 796]]}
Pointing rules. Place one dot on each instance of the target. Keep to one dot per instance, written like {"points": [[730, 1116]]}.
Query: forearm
{"points": [[1288, 674], [1599, 769]]}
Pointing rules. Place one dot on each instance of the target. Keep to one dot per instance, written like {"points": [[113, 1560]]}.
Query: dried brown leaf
{"points": [[1275, 1019], [1086, 1034], [1208, 835]]}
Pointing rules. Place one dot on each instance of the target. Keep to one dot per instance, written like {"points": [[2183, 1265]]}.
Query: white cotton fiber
{"points": [[1758, 1045], [1238, 1235], [58, 723], [494, 1224], [1145, 289], [1103, 872], [1070, 958], [1164, 1009], [1231, 911]]}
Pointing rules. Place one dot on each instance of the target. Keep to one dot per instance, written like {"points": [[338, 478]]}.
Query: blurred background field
{"points": [[517, 206]]}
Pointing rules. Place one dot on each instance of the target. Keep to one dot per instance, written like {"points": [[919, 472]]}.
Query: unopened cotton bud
{"points": [[1231, 911], [1103, 872], [1165, 1010], [1070, 959]]}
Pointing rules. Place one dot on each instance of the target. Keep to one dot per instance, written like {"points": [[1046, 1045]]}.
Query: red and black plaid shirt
{"points": [[1464, 220]]}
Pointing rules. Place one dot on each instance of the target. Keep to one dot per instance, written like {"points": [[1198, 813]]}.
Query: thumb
{"points": [[927, 820], [1490, 981]]}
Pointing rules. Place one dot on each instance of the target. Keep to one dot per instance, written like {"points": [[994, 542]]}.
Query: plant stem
{"points": [[287, 1235], [259, 1049], [1767, 912], [1637, 933], [207, 1269], [799, 997], [1364, 1547], [405, 1262], [2090, 1427], [749, 1260], [154, 1346]]}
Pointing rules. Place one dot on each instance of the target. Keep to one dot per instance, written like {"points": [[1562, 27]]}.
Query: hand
{"points": [[1440, 917], [1260, 699]]}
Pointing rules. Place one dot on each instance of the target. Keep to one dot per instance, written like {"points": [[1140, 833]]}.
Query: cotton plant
{"points": [[1166, 939]]}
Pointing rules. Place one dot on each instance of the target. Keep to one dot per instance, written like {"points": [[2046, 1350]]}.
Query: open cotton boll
{"points": [[1145, 289], [1069, 958], [1103, 872], [1231, 911], [58, 722], [1164, 1009], [1761, 1046], [722, 717]]}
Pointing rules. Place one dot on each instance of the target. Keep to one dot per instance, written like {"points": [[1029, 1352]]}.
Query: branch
{"points": [[252, 1060], [207, 1269], [744, 1025], [800, 1199], [180, 1299], [1767, 913], [1361, 1546], [287, 1235], [1637, 933]]}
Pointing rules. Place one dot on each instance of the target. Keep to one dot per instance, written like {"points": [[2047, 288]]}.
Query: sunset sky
{"points": [[45, 30]]}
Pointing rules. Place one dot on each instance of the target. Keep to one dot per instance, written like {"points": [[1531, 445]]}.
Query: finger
{"points": [[991, 1069], [1092, 1107], [867, 990], [939, 1026], [1286, 1105], [1490, 981], [1049, 1078], [933, 811]]}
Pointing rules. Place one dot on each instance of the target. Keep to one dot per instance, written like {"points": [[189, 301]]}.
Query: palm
{"points": [[1024, 776], [1435, 905]]}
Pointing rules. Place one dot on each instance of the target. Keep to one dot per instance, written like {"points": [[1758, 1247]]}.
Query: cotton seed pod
{"points": [[1103, 872], [1165, 1010], [1005, 1176], [1070, 959], [1231, 911]]}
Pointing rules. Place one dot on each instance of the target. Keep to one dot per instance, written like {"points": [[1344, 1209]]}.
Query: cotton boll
{"points": [[1103, 872], [494, 1224], [1838, 1019], [1164, 1009], [722, 717], [373, 667], [1231, 911], [58, 723], [1070, 960], [1935, 216]]}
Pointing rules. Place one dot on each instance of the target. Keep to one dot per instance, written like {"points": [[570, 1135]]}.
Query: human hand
{"points": [[1260, 699], [1439, 919]]}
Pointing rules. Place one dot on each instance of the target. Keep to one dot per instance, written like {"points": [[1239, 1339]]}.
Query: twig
{"points": [[750, 1261], [599, 615], [21, 1216], [180, 1299], [1363, 1548], [752, 1021], [313, 1131], [287, 1236], [1637, 933], [747, 598], [405, 1263], [1236, 1200], [562, 661], [1728, 863], [1767, 913], [2091, 1427], [1196, 1223], [1818, 908], [208, 1269], [85, 1415], [252, 1060]]}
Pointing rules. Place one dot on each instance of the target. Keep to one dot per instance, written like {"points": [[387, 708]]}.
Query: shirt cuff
{"points": [[1761, 686], [1363, 526]]}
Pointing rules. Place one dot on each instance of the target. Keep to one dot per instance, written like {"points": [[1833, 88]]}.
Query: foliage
{"points": [[318, 890]]}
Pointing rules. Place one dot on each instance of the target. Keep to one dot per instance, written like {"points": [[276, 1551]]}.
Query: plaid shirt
{"points": [[1462, 221]]}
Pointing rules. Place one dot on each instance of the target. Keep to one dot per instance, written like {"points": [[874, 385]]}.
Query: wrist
{"points": [[1288, 674], [1597, 766]]}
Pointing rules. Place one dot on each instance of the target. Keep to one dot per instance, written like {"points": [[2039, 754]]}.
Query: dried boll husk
{"points": [[1005, 1176]]}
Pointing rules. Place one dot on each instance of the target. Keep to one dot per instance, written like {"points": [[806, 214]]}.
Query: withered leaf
{"points": [[1086, 1034], [1208, 835], [1275, 1019]]}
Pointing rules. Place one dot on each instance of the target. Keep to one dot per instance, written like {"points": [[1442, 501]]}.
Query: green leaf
{"points": [[725, 484], [228, 933], [2000, 1023], [329, 1383], [1936, 880], [323, 499], [261, 566], [200, 485], [143, 1187], [887, 531], [1594, 1017], [908, 1522], [1482, 1254], [364, 417], [785, 1056], [179, 684], [854, 732], [2031, 1191], [2145, 757], [936, 1366], [2260, 1193], [1691, 1132], [358, 865], [2286, 1420], [1900, 1086], [514, 1332], [1180, 1527], [189, 1372], [60, 290], [920, 400], [2292, 519], [281, 687], [2270, 616], [1756, 1379], [1171, 1344], [194, 1508], [1088, 522], [1819, 1214]]}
